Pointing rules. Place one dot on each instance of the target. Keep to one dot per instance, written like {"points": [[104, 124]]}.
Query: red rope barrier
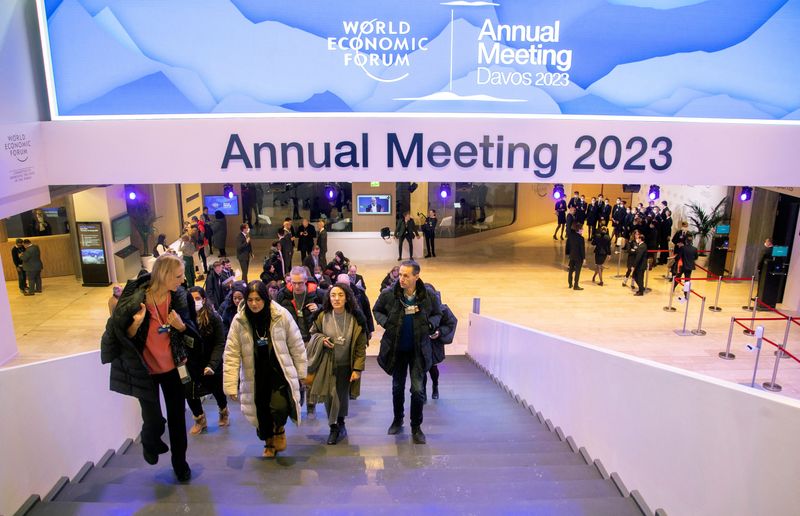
{"points": [[771, 309], [760, 318], [795, 320], [742, 325], [736, 279], [781, 348]]}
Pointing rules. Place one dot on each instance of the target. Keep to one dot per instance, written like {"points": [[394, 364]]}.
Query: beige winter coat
{"points": [[239, 359]]}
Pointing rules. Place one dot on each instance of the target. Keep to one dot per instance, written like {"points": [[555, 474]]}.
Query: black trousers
{"points": [[410, 241], [687, 275], [245, 264], [408, 363], [21, 277], [638, 277], [271, 397], [430, 245], [214, 384], [153, 421], [34, 280], [202, 254], [574, 267]]}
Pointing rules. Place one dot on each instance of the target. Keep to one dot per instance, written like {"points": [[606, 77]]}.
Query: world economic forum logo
{"points": [[17, 145], [382, 49]]}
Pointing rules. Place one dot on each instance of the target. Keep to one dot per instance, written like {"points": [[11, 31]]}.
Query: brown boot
{"points": [[279, 441], [224, 417], [269, 452], [200, 424]]}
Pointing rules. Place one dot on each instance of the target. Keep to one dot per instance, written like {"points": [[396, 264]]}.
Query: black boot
{"points": [[417, 435], [435, 393], [333, 437], [395, 427]]}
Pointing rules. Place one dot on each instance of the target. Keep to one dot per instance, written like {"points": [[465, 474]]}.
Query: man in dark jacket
{"points": [[640, 264], [577, 255], [409, 314], [32, 265], [16, 257], [214, 286], [303, 300], [322, 242], [686, 256], [305, 239], [406, 231], [244, 249]]}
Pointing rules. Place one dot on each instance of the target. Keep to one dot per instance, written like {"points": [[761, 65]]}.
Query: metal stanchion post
{"points": [[715, 307], [759, 333], [670, 295], [750, 295], [750, 332], [772, 385], [647, 278], [785, 338], [700, 330], [687, 287], [727, 355], [476, 305], [619, 261]]}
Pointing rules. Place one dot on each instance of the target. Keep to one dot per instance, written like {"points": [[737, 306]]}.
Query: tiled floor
{"points": [[519, 277]]}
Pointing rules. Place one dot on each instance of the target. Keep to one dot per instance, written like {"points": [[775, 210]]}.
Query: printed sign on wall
{"points": [[666, 58], [22, 182]]}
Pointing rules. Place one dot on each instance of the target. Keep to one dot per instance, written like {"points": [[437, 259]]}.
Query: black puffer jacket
{"points": [[447, 332], [129, 373], [389, 312]]}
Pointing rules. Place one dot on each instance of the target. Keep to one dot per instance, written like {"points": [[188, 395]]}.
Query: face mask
{"points": [[318, 276], [198, 304]]}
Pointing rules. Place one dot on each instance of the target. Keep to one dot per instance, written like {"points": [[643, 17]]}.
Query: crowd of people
{"points": [[644, 233], [273, 344]]}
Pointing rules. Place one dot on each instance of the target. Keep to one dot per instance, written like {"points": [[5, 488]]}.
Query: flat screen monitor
{"points": [[377, 204], [780, 250], [228, 206], [121, 227], [723, 229]]}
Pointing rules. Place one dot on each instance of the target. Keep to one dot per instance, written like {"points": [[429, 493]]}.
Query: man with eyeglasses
{"points": [[303, 299]]}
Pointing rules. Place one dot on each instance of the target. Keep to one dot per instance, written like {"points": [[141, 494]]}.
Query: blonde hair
{"points": [[164, 266]]}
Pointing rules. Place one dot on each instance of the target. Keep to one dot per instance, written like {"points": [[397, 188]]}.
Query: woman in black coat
{"points": [[339, 265], [205, 360], [219, 232], [144, 342], [602, 248], [231, 304]]}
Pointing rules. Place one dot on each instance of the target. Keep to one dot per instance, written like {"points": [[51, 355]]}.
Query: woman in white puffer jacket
{"points": [[266, 358]]}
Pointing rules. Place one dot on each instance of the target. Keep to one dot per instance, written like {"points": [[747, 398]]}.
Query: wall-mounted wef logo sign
{"points": [[382, 49]]}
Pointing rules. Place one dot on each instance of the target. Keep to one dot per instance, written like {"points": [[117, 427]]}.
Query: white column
{"points": [[8, 340]]}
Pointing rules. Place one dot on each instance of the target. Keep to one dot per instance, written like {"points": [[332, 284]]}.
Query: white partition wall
{"points": [[56, 416], [690, 444]]}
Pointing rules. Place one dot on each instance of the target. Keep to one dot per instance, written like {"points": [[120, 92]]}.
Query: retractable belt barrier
{"points": [[687, 290]]}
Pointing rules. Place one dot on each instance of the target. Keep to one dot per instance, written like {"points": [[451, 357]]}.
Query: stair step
{"points": [[332, 477], [394, 492], [570, 507]]}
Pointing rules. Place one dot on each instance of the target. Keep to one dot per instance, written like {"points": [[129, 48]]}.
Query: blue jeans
{"points": [[408, 363]]}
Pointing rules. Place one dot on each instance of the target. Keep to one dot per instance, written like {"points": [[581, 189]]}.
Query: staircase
{"points": [[486, 454]]}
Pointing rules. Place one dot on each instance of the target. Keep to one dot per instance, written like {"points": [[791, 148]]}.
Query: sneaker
{"points": [[417, 435], [396, 427]]}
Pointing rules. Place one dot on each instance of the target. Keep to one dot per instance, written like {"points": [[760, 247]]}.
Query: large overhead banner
{"points": [[665, 58]]}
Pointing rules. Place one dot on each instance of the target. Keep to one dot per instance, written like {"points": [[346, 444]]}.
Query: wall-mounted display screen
{"points": [[374, 204], [723, 229], [780, 251], [228, 206], [120, 227], [665, 58]]}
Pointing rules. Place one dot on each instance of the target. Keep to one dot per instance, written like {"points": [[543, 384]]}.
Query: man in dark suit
{"points": [[287, 246], [16, 257], [374, 207], [32, 265], [406, 230], [603, 212], [577, 255], [687, 256], [305, 239], [640, 264], [314, 260], [356, 278], [322, 242], [244, 250]]}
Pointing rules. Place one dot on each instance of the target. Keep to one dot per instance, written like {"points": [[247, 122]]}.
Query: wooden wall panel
{"points": [[57, 256]]}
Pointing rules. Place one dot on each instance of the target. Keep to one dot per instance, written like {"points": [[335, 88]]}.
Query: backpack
{"points": [[386, 233]]}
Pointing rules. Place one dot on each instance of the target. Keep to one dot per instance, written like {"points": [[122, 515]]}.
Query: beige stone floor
{"points": [[520, 277]]}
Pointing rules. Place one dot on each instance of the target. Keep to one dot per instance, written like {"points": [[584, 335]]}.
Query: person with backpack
{"points": [[443, 335]]}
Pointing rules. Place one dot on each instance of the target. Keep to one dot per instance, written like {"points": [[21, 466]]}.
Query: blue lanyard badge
{"points": [[164, 328], [262, 342]]}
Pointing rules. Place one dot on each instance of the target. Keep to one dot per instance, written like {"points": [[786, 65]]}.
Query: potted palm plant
{"points": [[143, 219], [704, 221]]}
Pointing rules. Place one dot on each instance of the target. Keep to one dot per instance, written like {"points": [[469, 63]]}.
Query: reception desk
{"points": [[58, 256]]}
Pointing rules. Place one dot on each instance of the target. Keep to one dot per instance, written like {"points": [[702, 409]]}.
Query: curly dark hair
{"points": [[349, 298]]}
